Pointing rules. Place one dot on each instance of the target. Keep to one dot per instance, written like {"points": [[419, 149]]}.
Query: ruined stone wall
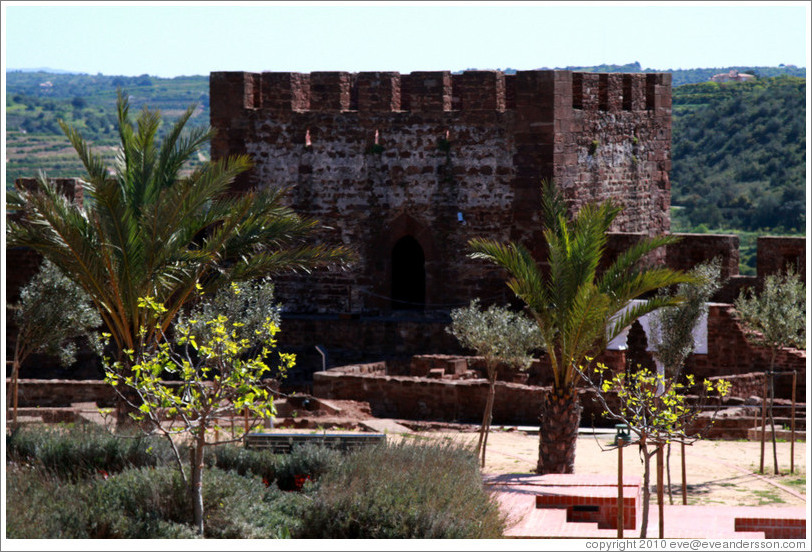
{"points": [[442, 399], [752, 385], [442, 158], [777, 253], [729, 352], [63, 393]]}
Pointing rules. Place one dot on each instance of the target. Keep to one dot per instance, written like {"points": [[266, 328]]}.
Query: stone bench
{"points": [[283, 443]]}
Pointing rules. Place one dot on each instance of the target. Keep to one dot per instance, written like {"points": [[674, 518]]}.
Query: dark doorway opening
{"points": [[408, 275]]}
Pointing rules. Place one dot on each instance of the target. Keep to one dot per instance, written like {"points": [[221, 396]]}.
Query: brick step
{"points": [[536, 522], [754, 433], [592, 504], [773, 527], [692, 533]]}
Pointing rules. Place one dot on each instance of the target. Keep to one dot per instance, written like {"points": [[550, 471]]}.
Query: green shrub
{"points": [[309, 460], [242, 507], [407, 490], [244, 461], [137, 503], [145, 503], [71, 451], [41, 506]]}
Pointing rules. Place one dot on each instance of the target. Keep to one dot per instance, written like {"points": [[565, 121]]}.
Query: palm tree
{"points": [[149, 229], [577, 310]]}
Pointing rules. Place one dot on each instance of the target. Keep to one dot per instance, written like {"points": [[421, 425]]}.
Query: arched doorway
{"points": [[408, 275]]}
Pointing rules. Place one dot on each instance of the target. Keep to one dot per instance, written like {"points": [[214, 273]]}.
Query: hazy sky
{"points": [[185, 38]]}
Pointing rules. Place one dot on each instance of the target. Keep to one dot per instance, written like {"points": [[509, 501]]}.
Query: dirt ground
{"points": [[717, 472]]}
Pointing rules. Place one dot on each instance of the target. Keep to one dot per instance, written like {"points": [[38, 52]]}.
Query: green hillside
{"points": [[36, 101], [739, 154]]}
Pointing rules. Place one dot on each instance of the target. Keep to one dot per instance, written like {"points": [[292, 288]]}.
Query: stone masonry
{"points": [[406, 169]]}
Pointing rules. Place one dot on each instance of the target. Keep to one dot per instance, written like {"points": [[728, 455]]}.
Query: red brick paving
{"points": [[518, 495]]}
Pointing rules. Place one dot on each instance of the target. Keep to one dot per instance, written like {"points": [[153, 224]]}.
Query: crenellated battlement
{"points": [[436, 91]]}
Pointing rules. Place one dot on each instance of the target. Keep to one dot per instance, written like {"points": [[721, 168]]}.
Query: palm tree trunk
{"points": [[558, 430]]}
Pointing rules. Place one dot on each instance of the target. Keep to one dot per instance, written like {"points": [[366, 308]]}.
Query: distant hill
{"points": [[43, 70], [36, 101], [739, 154], [685, 76]]}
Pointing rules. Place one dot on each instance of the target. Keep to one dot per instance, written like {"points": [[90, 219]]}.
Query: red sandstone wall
{"points": [[378, 156], [729, 352], [752, 385], [617, 144], [54, 393], [446, 400], [775, 253]]}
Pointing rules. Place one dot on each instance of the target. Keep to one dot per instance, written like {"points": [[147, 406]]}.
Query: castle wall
{"points": [[777, 253], [442, 158]]}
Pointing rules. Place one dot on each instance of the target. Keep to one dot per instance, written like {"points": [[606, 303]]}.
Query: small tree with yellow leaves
{"points": [[217, 362], [654, 417]]}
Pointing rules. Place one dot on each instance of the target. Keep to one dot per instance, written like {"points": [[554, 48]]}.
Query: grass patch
{"points": [[797, 483], [768, 497]]}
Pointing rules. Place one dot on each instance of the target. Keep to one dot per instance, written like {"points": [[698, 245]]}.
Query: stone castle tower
{"points": [[406, 169]]}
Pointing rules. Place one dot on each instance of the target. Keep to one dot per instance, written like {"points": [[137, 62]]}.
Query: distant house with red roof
{"points": [[732, 75]]}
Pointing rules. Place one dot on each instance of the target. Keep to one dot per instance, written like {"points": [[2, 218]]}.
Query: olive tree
{"points": [[51, 314], [775, 318], [672, 328], [500, 336]]}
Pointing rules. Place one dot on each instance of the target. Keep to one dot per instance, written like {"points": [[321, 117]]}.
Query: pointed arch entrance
{"points": [[408, 290]]}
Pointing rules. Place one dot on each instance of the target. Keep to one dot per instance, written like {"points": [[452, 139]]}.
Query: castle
{"points": [[405, 169]]}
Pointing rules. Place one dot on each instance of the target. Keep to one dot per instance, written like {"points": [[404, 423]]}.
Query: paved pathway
{"points": [[517, 497]]}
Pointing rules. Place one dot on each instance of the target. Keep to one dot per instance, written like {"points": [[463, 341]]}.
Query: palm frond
{"points": [[525, 278], [93, 163], [629, 260]]}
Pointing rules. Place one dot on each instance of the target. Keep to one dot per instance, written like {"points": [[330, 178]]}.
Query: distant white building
{"points": [[732, 75]]}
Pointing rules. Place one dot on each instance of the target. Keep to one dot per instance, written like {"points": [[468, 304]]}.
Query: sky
{"points": [[167, 39]]}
